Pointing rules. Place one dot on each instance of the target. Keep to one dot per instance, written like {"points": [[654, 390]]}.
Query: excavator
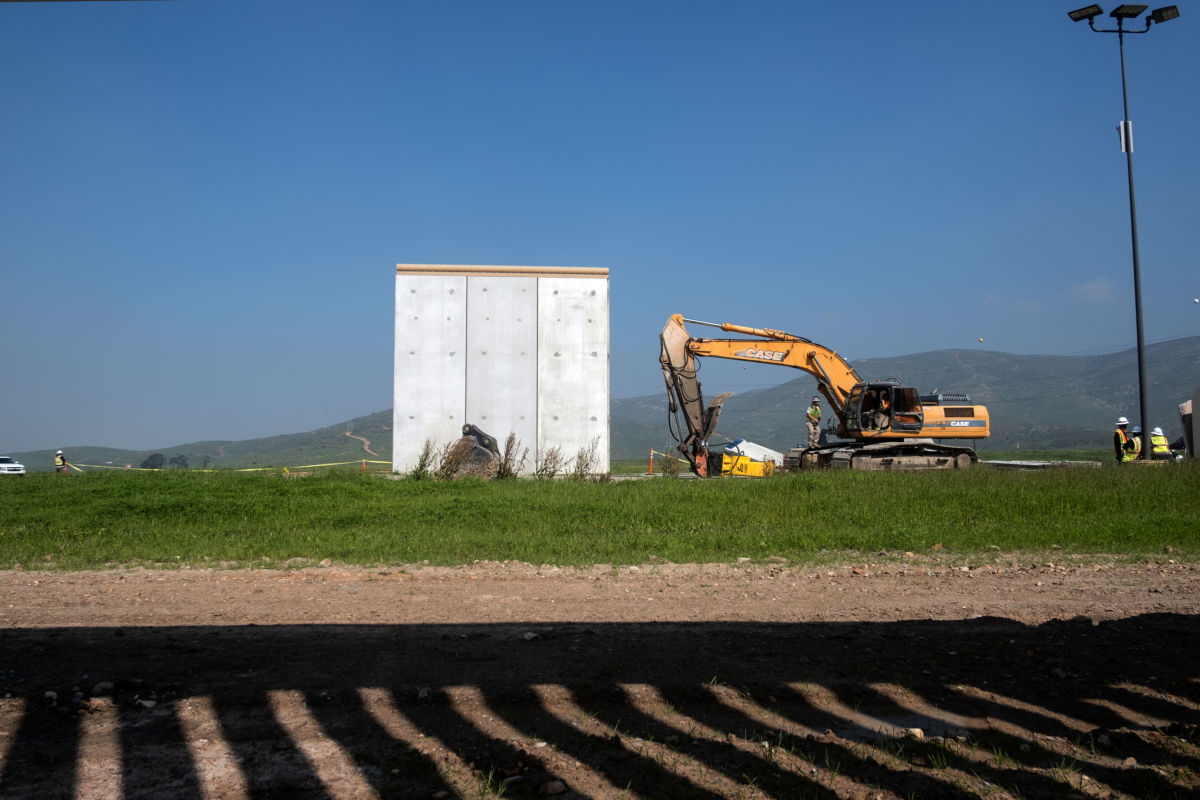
{"points": [[885, 425]]}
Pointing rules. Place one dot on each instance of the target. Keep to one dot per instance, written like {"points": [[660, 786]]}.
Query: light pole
{"points": [[1120, 14]]}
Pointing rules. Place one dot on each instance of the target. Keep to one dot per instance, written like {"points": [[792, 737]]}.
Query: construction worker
{"points": [[812, 418], [1123, 446], [60, 463], [1159, 447], [885, 408], [1137, 443]]}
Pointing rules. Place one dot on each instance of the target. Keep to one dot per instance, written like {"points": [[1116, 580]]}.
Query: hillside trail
{"points": [[910, 678], [366, 444]]}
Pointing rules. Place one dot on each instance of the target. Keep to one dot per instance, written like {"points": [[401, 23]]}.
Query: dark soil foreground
{"points": [[911, 679]]}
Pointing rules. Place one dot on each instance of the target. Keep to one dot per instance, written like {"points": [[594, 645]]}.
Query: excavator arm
{"points": [[678, 352], [835, 377]]}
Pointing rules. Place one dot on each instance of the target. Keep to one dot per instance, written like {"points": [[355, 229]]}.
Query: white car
{"points": [[9, 466]]}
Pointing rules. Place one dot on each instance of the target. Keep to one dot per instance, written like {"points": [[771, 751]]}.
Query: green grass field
{"points": [[176, 518]]}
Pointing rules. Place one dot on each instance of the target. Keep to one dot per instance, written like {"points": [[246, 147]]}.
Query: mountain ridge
{"points": [[1034, 401]]}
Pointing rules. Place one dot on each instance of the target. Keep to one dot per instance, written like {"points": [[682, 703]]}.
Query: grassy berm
{"points": [[175, 518]]}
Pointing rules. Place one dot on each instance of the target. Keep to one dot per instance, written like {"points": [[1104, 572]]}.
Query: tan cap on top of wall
{"points": [[459, 269]]}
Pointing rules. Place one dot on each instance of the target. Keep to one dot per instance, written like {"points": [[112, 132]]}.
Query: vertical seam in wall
{"points": [[395, 362], [466, 347], [608, 372], [537, 370]]}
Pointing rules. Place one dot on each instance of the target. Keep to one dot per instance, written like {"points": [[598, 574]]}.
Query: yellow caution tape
{"points": [[113, 466], [240, 469]]}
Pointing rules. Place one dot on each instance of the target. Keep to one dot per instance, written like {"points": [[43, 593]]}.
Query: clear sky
{"points": [[202, 202]]}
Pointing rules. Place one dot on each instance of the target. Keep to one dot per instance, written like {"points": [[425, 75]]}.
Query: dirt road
{"points": [[911, 678]]}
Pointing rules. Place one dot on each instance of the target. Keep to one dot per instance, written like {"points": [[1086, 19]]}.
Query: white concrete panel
{"points": [[429, 394], [573, 352], [502, 358], [510, 349]]}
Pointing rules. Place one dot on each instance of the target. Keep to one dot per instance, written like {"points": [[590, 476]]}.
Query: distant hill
{"points": [[322, 446], [1036, 402]]}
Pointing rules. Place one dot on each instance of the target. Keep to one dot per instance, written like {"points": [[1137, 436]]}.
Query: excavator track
{"points": [[905, 454]]}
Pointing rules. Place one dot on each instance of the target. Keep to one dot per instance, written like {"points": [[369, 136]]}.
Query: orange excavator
{"points": [[885, 425]]}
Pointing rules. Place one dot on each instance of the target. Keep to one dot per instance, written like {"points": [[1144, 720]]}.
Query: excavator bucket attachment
{"points": [[475, 453], [679, 373]]}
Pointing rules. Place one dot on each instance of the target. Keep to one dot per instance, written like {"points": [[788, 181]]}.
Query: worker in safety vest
{"points": [[812, 418], [1123, 446], [60, 463], [1160, 449], [1136, 437]]}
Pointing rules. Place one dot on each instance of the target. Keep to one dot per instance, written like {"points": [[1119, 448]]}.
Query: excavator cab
{"points": [[884, 410]]}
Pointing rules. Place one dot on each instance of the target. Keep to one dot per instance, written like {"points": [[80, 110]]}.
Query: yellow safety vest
{"points": [[1124, 439], [1159, 446], [1120, 439]]}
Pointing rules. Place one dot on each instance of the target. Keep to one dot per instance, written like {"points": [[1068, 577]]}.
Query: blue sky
{"points": [[202, 202]]}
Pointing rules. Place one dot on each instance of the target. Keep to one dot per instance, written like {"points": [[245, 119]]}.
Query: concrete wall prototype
{"points": [[519, 350]]}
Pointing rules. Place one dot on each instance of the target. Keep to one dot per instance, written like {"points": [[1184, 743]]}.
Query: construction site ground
{"points": [[882, 676]]}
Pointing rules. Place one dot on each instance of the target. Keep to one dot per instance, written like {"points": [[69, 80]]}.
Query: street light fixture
{"points": [[1120, 14], [1127, 11], [1085, 13]]}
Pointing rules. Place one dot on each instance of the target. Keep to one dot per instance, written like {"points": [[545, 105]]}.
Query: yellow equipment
{"points": [[745, 466], [888, 426]]}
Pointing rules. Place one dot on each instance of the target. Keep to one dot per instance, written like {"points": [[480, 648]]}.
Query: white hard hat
{"points": [[1122, 421], [1157, 432], [816, 399], [59, 452]]}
